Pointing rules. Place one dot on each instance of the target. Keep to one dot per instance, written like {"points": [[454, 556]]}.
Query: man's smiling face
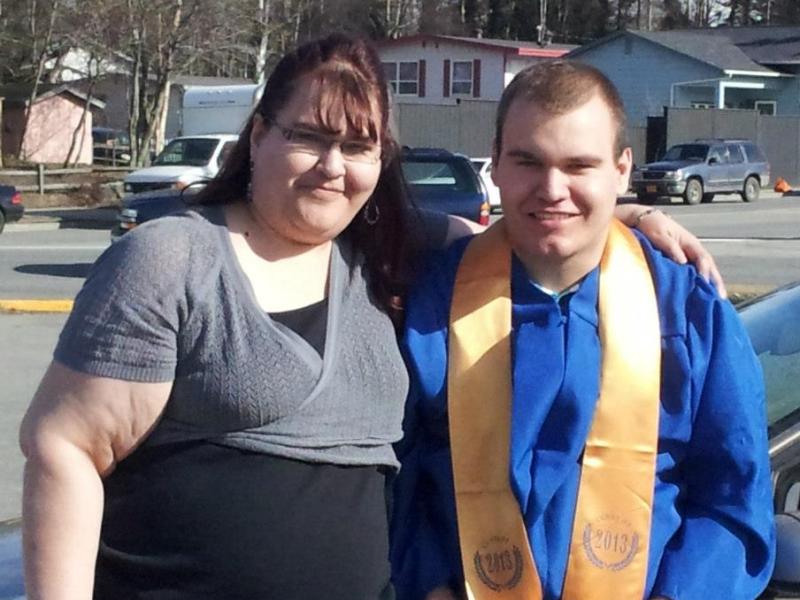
{"points": [[559, 176]]}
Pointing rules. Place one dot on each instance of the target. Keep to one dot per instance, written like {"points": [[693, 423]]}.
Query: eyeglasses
{"points": [[316, 143]]}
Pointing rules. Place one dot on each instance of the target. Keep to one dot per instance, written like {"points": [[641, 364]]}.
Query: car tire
{"points": [[707, 198], [648, 199], [751, 189], [693, 193], [2, 221]]}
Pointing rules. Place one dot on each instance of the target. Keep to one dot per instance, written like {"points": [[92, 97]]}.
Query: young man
{"points": [[587, 417]]}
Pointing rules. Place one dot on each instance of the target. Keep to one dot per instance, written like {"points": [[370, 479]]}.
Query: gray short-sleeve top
{"points": [[169, 301]]}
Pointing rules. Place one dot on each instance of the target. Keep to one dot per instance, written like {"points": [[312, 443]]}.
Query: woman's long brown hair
{"points": [[350, 78]]}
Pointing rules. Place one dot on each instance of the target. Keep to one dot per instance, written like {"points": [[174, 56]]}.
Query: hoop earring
{"points": [[371, 212], [248, 194]]}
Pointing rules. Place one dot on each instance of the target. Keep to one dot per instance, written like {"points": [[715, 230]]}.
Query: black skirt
{"points": [[197, 520]]}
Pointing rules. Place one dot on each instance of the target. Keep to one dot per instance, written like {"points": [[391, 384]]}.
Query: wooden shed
{"points": [[54, 131]]}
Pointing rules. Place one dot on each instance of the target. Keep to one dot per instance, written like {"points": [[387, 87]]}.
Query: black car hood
{"points": [[151, 205], [166, 196]]}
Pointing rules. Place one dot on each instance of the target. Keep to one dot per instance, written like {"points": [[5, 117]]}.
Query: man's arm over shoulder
{"points": [[725, 545]]}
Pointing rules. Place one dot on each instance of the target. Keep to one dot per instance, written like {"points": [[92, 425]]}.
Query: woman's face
{"points": [[309, 182]]}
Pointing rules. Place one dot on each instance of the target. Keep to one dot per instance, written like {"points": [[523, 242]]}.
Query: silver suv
{"points": [[698, 170]]}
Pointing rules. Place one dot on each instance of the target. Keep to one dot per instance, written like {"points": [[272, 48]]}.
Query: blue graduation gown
{"points": [[712, 534]]}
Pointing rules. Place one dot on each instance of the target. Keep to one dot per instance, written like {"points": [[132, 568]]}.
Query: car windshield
{"points": [[774, 328], [696, 152], [477, 165], [445, 176], [190, 152]]}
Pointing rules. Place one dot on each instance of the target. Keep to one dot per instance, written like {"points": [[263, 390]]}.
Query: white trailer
{"points": [[217, 109]]}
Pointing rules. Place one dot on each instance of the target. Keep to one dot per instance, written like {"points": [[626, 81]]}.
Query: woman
{"points": [[219, 416]]}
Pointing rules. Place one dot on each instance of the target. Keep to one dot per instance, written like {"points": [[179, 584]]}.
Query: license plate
{"points": [[652, 189]]}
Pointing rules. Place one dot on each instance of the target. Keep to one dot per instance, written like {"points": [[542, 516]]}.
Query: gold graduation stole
{"points": [[611, 531]]}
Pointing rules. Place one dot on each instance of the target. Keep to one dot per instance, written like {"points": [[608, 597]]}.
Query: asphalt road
{"points": [[727, 217], [755, 244], [47, 264]]}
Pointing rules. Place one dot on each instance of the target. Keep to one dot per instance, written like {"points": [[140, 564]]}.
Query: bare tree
{"points": [[262, 19], [40, 56], [87, 103], [398, 17], [158, 47], [92, 30]]}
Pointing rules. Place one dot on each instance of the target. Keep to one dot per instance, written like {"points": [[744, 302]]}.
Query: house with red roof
{"points": [[446, 88], [442, 69]]}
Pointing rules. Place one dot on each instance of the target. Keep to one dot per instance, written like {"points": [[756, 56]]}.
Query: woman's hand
{"points": [[673, 239]]}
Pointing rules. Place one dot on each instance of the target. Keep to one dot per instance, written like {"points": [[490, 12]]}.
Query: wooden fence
{"points": [[41, 174]]}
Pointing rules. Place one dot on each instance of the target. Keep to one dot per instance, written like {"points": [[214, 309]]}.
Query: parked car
{"points": [[182, 162], [446, 182], [698, 170], [11, 207], [773, 324], [140, 208], [483, 167], [111, 146]]}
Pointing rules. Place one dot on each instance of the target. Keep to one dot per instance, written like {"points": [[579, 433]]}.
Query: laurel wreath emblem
{"points": [[497, 586], [599, 562]]}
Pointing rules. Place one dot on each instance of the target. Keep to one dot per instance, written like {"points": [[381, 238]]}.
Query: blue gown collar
{"points": [[580, 300]]}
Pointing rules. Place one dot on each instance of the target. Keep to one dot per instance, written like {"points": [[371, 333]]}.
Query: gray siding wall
{"points": [[467, 127], [645, 74], [637, 140]]}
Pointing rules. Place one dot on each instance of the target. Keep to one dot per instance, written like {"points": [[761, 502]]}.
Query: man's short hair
{"points": [[559, 87]]}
